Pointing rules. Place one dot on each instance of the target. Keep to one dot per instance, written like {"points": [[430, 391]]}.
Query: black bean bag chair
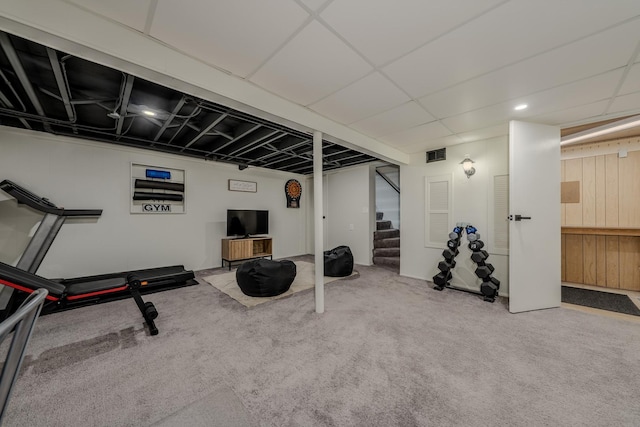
{"points": [[338, 262], [265, 278]]}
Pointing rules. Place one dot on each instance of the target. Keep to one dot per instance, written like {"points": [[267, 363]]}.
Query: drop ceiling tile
{"points": [[626, 104], [587, 57], [632, 82], [383, 30], [229, 34], [486, 133], [417, 134], [432, 144], [364, 98], [130, 13], [311, 66], [571, 115], [571, 95], [405, 116], [509, 33]]}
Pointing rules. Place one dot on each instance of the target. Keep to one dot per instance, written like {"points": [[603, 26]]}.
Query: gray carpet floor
{"points": [[388, 351]]}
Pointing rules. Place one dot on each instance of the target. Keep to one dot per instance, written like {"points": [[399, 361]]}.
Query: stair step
{"points": [[386, 234], [386, 252], [379, 215], [384, 225], [393, 242], [389, 261]]}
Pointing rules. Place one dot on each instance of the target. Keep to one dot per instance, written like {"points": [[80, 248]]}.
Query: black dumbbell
{"points": [[445, 266], [489, 291], [479, 256], [453, 244], [484, 271], [441, 279], [476, 245], [449, 254], [492, 280]]}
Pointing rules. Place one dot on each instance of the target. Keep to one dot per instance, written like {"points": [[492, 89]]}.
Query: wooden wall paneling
{"points": [[563, 258], [600, 192], [588, 198], [563, 208], [629, 190], [630, 263], [612, 264], [611, 190], [601, 261], [589, 259], [574, 258], [573, 172]]}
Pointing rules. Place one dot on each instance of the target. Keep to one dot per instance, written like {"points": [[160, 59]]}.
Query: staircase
{"points": [[386, 244]]}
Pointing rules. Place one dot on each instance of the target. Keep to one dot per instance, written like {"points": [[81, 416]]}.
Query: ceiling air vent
{"points": [[437, 155]]}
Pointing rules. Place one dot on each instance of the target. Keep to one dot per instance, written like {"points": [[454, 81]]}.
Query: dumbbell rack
{"points": [[490, 285]]}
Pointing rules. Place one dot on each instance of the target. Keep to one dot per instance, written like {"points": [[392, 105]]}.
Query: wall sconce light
{"points": [[467, 165]]}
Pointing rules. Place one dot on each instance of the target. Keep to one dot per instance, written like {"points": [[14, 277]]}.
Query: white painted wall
{"points": [[472, 198], [74, 173], [349, 206]]}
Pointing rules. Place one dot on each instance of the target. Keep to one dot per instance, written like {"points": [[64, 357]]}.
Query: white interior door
{"points": [[534, 226]]}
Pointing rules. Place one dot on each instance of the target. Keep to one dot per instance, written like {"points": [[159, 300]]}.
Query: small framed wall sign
{"points": [[157, 190], [246, 186]]}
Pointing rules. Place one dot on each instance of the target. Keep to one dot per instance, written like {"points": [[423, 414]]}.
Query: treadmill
{"points": [[153, 279]]}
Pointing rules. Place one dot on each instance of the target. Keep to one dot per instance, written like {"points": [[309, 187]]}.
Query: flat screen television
{"points": [[245, 223]]}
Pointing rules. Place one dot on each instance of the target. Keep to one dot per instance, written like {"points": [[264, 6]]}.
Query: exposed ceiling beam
{"points": [[7, 103], [12, 56], [124, 102], [63, 87], [258, 143], [172, 116], [205, 131], [237, 138]]}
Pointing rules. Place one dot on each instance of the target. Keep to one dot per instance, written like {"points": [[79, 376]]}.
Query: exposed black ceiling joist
{"points": [[52, 91]]}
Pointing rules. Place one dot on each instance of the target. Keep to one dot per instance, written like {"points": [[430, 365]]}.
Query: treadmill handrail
{"points": [[40, 203]]}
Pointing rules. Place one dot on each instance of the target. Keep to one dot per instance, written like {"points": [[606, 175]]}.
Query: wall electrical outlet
{"points": [[351, 227]]}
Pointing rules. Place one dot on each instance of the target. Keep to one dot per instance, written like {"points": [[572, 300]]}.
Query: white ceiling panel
{"points": [[432, 144], [311, 66], [626, 104], [509, 33], [574, 94], [405, 116], [632, 82], [224, 33], [486, 133], [571, 115], [417, 134], [587, 57], [364, 98], [130, 13], [383, 30]]}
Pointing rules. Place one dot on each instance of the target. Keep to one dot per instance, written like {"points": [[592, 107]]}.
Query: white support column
{"points": [[318, 221]]}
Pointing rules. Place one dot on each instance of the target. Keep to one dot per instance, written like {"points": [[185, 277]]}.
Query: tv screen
{"points": [[247, 222]]}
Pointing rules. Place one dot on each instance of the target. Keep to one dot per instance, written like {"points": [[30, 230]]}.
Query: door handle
{"points": [[518, 217]]}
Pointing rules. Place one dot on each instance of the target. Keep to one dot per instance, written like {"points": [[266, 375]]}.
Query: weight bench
{"points": [[64, 296]]}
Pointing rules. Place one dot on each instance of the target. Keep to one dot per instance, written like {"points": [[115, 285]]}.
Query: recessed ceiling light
{"points": [[520, 107], [148, 113]]}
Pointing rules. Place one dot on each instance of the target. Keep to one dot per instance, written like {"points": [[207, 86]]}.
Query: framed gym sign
{"points": [[157, 190]]}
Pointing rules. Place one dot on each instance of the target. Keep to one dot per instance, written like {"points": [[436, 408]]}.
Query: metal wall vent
{"points": [[437, 155]]}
